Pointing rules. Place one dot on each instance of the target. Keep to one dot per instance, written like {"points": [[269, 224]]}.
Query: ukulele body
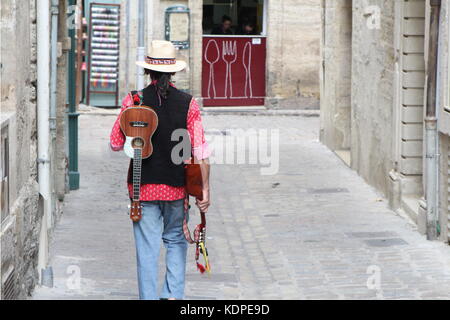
{"points": [[138, 124]]}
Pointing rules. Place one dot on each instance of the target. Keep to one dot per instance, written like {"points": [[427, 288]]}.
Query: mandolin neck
{"points": [[137, 167]]}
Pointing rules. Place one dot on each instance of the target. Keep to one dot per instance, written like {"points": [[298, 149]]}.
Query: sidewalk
{"points": [[313, 231]]}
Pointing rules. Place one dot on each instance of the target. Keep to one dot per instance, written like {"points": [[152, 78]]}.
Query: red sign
{"points": [[234, 71]]}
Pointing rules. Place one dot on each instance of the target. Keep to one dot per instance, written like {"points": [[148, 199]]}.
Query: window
{"points": [[4, 173], [247, 17]]}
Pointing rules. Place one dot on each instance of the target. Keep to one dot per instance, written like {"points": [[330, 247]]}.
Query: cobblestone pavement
{"points": [[315, 230]]}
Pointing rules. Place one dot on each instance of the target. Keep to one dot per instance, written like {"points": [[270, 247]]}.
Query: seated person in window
{"points": [[224, 28], [248, 29]]}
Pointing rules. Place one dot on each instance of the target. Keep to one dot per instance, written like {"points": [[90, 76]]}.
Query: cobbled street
{"points": [[315, 230]]}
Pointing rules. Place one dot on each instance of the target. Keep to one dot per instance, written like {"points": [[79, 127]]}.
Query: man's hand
{"points": [[204, 204]]}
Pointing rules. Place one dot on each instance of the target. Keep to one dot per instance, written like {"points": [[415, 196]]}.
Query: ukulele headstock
{"points": [[135, 211]]}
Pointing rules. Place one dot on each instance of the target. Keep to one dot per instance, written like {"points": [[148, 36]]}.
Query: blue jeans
{"points": [[161, 219]]}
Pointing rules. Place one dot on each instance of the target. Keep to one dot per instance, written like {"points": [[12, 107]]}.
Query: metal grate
{"points": [[386, 242], [9, 287]]}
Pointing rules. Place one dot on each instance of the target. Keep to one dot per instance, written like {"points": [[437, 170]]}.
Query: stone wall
{"points": [[196, 50], [61, 165], [444, 69], [20, 231], [336, 75], [373, 75], [293, 53], [444, 121], [128, 44], [358, 90]]}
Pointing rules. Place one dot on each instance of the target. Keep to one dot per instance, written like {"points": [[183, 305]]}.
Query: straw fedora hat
{"points": [[162, 58]]}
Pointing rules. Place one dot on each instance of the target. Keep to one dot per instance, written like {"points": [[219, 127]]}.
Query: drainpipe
{"points": [[74, 175], [53, 92], [43, 102], [127, 39], [53, 64], [141, 44], [323, 7], [438, 142], [432, 156]]}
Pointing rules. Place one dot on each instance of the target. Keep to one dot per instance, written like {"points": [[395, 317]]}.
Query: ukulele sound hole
{"points": [[137, 143]]}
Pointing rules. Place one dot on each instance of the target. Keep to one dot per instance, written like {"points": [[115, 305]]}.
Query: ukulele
{"points": [[138, 124], [194, 187]]}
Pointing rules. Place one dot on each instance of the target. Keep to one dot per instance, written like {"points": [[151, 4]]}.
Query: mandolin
{"points": [[138, 124]]}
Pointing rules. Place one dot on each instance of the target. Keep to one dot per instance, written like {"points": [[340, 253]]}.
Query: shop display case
{"points": [[103, 61]]}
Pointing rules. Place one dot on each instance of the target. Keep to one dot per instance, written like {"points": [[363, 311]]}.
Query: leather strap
{"points": [[187, 232]]}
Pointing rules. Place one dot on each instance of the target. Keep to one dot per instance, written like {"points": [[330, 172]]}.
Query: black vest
{"points": [[172, 115]]}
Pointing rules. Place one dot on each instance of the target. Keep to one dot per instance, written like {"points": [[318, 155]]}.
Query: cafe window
{"points": [[243, 17], [4, 172]]}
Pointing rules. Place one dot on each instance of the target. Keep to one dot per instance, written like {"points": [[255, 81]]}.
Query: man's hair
{"points": [[163, 81], [226, 18]]}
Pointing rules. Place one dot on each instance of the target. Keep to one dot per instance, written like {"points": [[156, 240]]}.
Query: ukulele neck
{"points": [[137, 167]]}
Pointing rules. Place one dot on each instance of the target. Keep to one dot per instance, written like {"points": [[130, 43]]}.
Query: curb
{"points": [[263, 113]]}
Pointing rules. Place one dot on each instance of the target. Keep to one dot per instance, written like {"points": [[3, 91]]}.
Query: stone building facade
{"points": [[373, 90], [21, 204], [443, 115], [292, 30]]}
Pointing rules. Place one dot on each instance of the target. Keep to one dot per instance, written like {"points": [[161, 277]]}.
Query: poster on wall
{"points": [[177, 26]]}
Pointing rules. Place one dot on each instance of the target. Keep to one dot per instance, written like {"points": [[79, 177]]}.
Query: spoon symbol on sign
{"points": [[212, 55]]}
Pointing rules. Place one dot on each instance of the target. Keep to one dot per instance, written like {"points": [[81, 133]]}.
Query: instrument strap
{"points": [[186, 231]]}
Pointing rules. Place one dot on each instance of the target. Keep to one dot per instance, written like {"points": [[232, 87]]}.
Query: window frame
{"points": [[263, 27]]}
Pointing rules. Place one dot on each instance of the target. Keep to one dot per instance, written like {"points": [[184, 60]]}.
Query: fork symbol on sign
{"points": [[229, 55]]}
